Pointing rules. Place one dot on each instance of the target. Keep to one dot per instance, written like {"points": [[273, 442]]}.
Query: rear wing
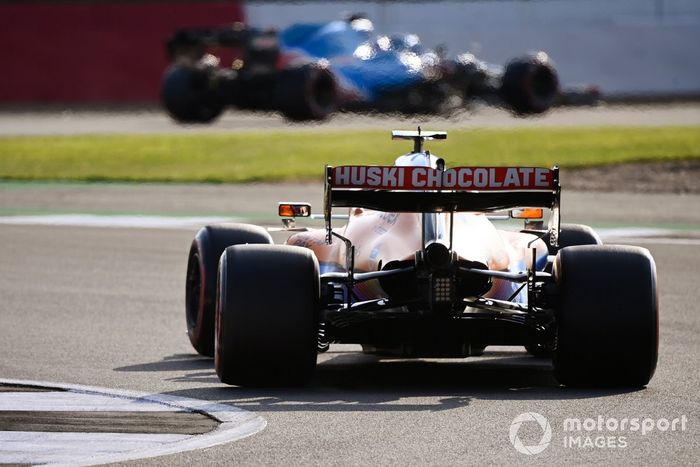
{"points": [[426, 189]]}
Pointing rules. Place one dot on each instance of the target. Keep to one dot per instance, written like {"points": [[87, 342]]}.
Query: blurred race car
{"points": [[308, 71], [420, 270]]}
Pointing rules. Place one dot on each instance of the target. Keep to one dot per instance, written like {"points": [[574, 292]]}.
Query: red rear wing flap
{"points": [[425, 189]]}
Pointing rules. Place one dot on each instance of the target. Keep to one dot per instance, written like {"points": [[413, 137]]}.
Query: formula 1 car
{"points": [[420, 270], [308, 71]]}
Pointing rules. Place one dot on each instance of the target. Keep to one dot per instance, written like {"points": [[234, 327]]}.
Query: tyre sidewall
{"points": [[607, 321], [267, 315], [207, 246]]}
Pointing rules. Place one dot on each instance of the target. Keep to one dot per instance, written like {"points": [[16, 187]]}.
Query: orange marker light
{"points": [[294, 209], [527, 213]]}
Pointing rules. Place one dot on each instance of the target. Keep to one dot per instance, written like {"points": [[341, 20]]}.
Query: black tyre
{"points": [[574, 235], [539, 350], [202, 265], [307, 93], [607, 321], [192, 95], [267, 315], [570, 235], [530, 85], [578, 234]]}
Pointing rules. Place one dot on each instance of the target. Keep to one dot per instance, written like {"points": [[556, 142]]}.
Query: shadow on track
{"points": [[352, 381], [174, 362], [195, 368]]}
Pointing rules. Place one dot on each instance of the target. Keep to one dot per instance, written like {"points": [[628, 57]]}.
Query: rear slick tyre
{"points": [[200, 287], [573, 235], [578, 234], [267, 315], [607, 321]]}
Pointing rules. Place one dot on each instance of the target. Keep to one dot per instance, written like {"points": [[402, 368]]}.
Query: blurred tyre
{"points": [[308, 92], [191, 94], [530, 85]]}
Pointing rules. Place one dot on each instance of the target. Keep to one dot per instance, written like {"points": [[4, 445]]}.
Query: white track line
{"points": [[646, 235], [610, 235], [660, 241], [76, 402], [235, 424], [628, 232], [117, 221]]}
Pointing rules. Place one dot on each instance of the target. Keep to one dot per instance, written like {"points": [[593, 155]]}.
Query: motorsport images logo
{"points": [[598, 432], [530, 417]]}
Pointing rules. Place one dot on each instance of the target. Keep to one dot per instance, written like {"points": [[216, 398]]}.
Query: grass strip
{"points": [[288, 156]]}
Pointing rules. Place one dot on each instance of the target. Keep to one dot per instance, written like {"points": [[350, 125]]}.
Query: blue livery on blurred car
{"points": [[310, 71]]}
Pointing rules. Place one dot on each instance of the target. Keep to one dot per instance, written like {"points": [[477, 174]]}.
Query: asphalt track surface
{"points": [[67, 122], [104, 307]]}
